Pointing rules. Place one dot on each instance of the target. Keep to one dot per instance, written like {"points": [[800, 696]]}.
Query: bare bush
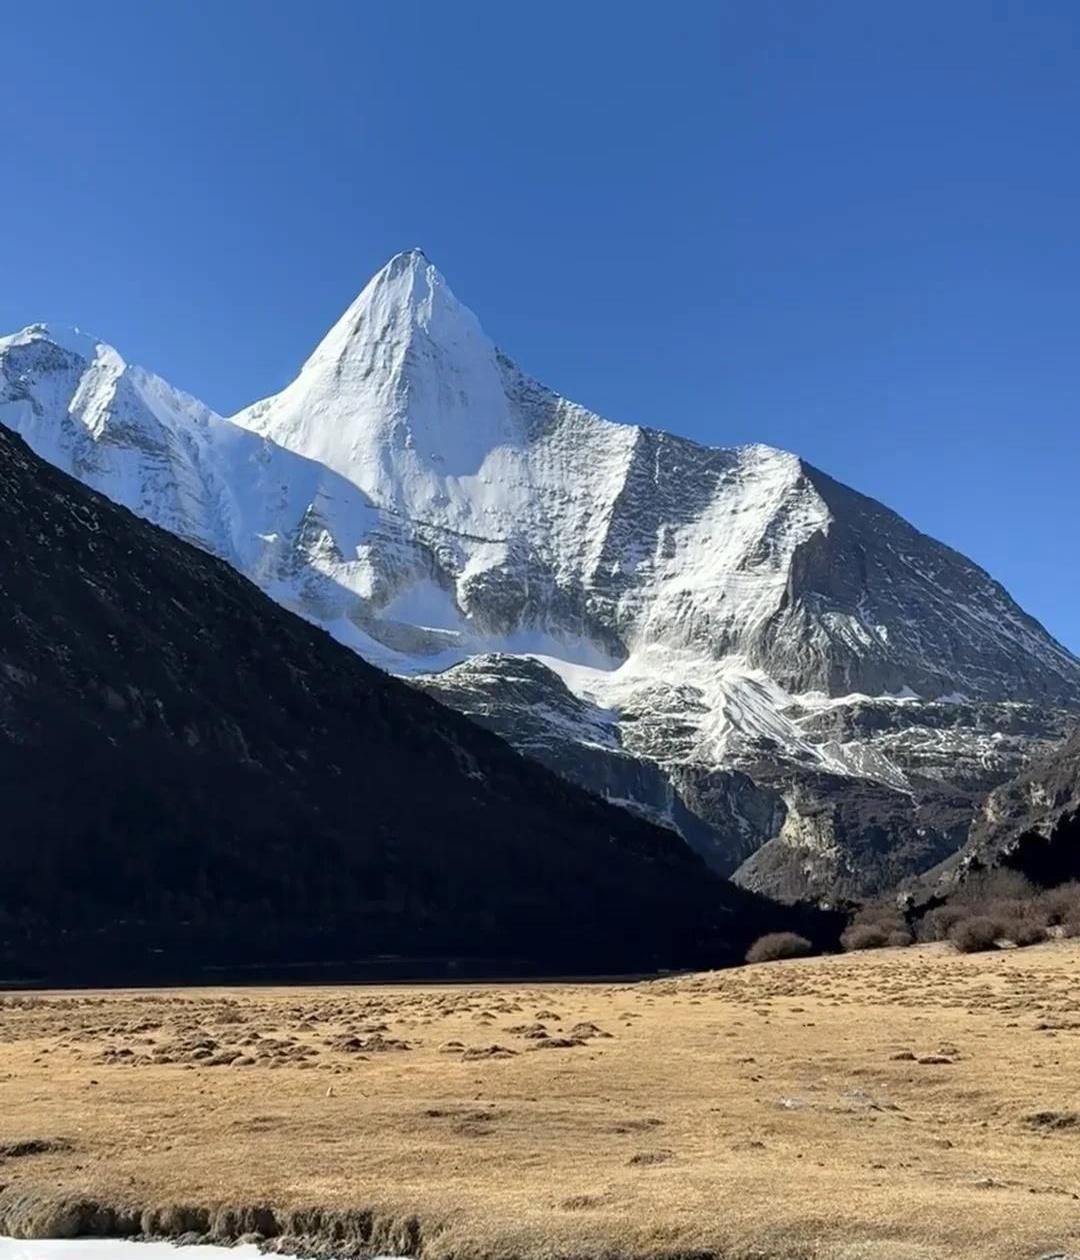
{"points": [[1006, 904], [777, 945], [980, 932], [984, 887], [995, 906], [1061, 905], [876, 925], [1027, 929], [865, 936], [936, 924]]}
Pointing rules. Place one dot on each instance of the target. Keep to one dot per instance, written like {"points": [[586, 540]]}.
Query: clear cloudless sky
{"points": [[849, 229]]}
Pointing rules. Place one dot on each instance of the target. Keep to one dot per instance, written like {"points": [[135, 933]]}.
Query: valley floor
{"points": [[899, 1105]]}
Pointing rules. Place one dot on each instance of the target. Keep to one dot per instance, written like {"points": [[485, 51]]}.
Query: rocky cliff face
{"points": [[1030, 823], [812, 691], [844, 799]]}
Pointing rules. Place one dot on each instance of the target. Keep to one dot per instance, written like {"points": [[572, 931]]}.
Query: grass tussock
{"points": [[878, 1091]]}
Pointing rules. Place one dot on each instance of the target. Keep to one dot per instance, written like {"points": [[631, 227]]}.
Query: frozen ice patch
{"points": [[116, 1249]]}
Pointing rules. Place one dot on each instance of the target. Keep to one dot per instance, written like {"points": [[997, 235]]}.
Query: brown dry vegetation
{"points": [[776, 945], [989, 908], [908, 1104]]}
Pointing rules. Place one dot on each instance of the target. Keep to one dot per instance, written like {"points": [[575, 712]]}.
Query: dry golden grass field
{"points": [[897, 1105]]}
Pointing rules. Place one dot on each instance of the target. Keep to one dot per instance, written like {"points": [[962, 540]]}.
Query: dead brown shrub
{"points": [[776, 945], [1005, 903], [1026, 929], [1061, 905], [984, 887], [876, 925], [865, 936], [936, 924], [980, 932]]}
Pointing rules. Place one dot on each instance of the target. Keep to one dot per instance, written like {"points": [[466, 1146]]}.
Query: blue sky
{"points": [[848, 229]]}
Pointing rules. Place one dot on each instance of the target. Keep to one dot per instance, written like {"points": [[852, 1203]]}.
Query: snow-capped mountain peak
{"points": [[407, 298], [535, 515], [120, 429], [702, 612], [74, 340], [403, 394]]}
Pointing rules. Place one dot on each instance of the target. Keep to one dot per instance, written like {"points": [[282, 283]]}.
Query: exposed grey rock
{"points": [[1030, 823]]}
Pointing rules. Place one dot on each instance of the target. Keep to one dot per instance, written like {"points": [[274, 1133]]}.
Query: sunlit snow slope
{"points": [[810, 689]]}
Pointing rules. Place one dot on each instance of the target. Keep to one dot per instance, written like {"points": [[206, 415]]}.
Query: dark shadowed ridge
{"points": [[193, 778]]}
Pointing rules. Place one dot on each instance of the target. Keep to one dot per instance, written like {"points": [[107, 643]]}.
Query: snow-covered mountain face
{"points": [[811, 690], [169, 458]]}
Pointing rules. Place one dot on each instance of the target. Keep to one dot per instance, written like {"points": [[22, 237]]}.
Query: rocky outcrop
{"points": [[1031, 823], [772, 817]]}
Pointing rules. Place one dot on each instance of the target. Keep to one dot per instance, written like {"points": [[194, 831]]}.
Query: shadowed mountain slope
{"points": [[192, 775]]}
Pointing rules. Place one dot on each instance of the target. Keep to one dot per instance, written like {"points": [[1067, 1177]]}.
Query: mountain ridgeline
{"points": [[726, 641]]}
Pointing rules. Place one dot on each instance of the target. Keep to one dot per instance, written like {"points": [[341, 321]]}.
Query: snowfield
{"points": [[117, 1249]]}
